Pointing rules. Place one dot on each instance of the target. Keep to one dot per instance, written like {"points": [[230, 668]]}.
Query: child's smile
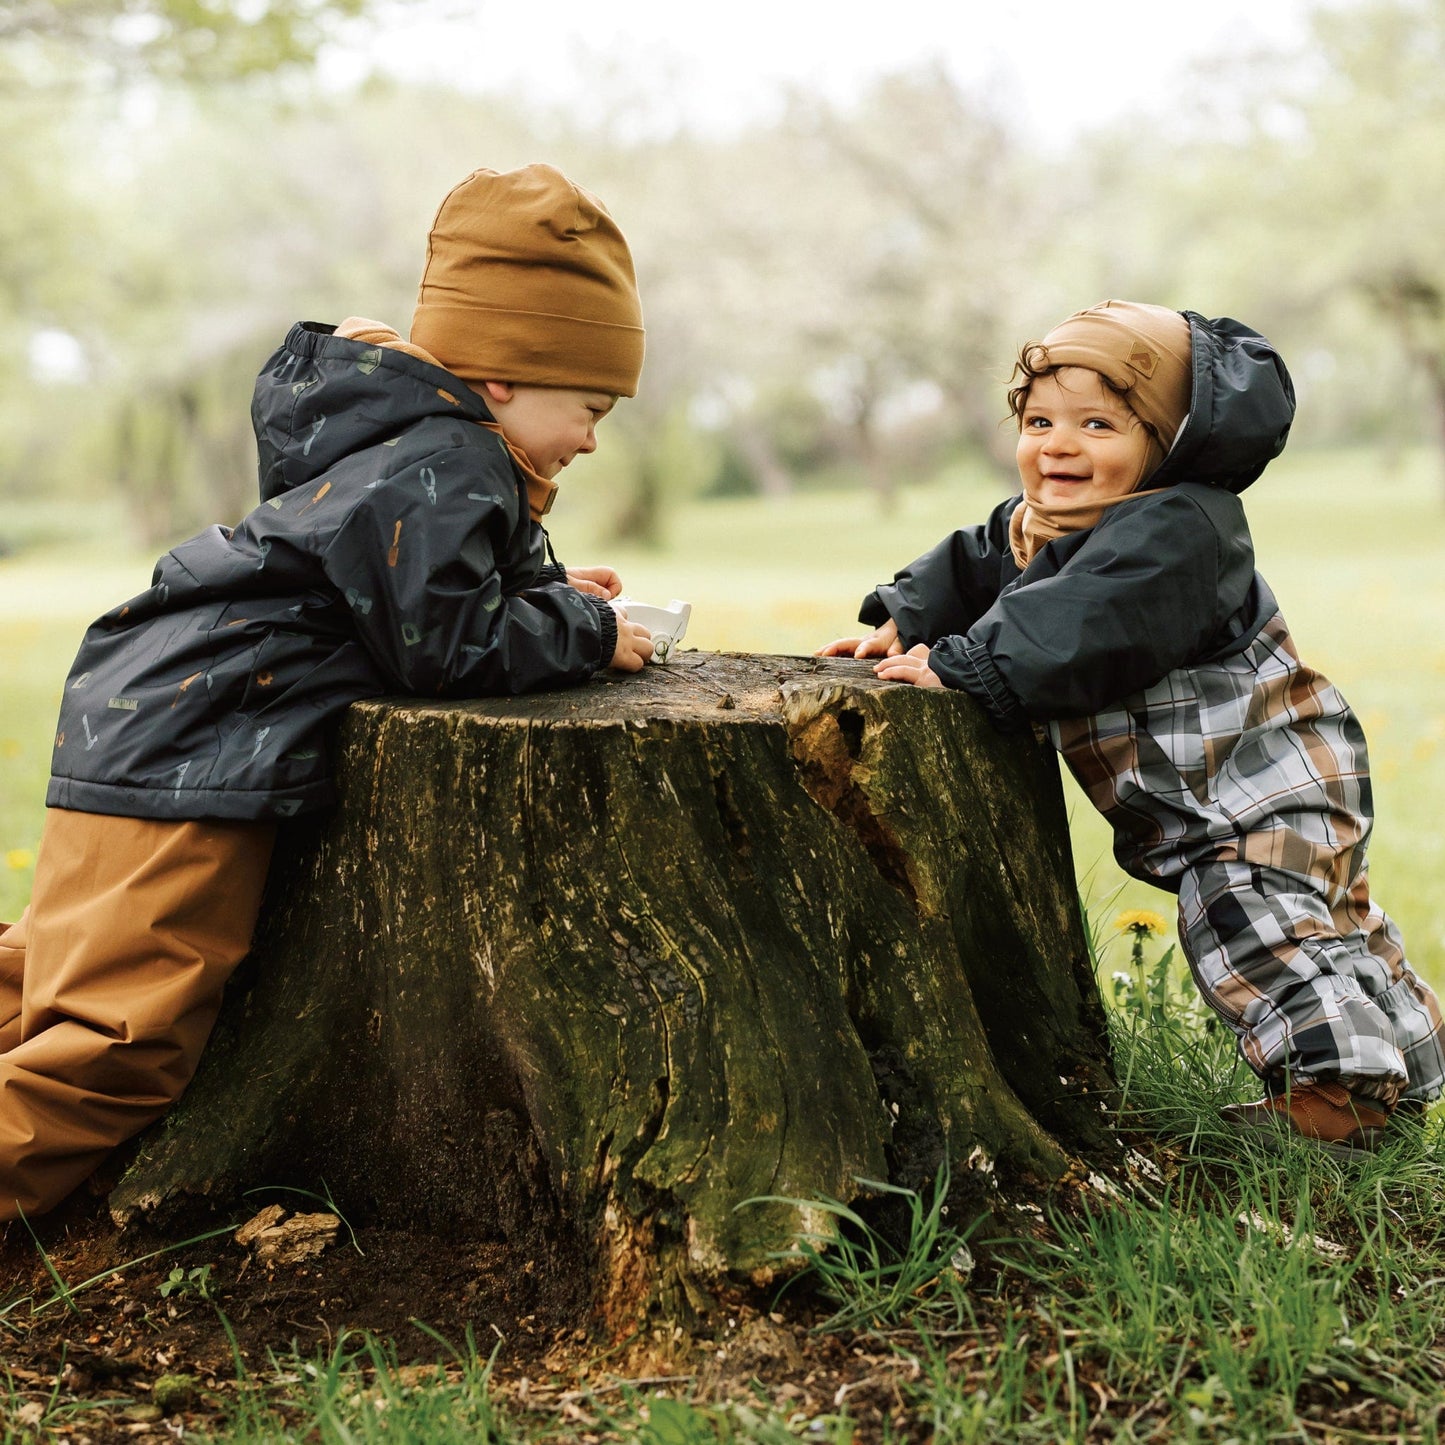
{"points": [[1079, 443]]}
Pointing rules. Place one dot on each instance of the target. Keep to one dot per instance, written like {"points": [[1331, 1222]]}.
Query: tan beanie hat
{"points": [[1142, 351], [529, 280]]}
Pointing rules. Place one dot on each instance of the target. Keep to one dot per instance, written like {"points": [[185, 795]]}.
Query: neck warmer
{"points": [[541, 493]]}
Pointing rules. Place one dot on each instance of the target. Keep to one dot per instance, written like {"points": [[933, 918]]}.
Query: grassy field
{"points": [[1353, 551]]}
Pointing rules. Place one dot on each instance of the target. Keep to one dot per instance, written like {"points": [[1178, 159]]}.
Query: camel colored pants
{"points": [[110, 983]]}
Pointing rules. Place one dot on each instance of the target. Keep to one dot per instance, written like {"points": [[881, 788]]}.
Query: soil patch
{"points": [[111, 1355]]}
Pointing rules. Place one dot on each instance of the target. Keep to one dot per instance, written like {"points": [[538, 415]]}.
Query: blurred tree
{"points": [[116, 257], [880, 253], [931, 294], [45, 40], [1329, 189], [1375, 167]]}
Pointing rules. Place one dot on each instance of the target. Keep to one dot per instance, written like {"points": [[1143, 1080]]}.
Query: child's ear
{"points": [[501, 391]]}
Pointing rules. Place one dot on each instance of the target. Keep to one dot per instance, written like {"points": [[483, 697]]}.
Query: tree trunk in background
{"points": [[597, 966]]}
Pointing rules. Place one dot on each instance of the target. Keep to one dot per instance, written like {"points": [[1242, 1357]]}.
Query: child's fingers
{"points": [[590, 589], [843, 646], [881, 644], [604, 577]]}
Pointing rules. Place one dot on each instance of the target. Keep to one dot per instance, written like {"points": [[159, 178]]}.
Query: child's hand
{"points": [[634, 643], [600, 582], [911, 667], [883, 642]]}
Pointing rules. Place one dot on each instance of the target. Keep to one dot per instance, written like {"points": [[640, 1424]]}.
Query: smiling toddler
{"points": [[1115, 602]]}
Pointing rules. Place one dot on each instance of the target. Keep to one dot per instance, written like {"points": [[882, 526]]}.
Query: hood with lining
{"points": [[1241, 406]]}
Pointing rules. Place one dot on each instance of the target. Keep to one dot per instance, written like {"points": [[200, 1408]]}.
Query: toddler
{"points": [[397, 549], [1115, 601]]}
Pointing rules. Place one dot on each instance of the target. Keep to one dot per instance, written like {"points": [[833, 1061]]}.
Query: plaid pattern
{"points": [[1243, 785]]}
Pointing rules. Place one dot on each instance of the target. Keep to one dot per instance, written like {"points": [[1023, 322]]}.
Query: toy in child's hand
{"points": [[666, 624]]}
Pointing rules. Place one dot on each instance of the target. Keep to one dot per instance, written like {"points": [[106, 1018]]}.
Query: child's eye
{"points": [[1036, 422], [1100, 423]]}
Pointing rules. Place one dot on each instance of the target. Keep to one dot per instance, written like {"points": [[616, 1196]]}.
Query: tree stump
{"points": [[600, 965]]}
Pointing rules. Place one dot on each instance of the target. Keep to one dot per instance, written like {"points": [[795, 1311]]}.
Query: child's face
{"points": [[1078, 441], [552, 424]]}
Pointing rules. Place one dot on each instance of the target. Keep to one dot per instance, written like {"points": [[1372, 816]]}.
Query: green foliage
{"points": [[875, 1283], [182, 1282], [360, 1394], [197, 1280]]}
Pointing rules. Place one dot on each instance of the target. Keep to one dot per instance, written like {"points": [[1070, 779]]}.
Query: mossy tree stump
{"points": [[600, 965]]}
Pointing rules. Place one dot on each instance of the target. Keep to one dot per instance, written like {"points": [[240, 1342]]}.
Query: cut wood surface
{"points": [[599, 966]]}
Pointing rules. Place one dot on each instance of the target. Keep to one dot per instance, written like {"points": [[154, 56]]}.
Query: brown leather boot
{"points": [[1325, 1114]]}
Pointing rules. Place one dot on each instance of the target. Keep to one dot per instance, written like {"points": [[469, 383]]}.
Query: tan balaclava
{"points": [[1143, 352], [529, 280]]}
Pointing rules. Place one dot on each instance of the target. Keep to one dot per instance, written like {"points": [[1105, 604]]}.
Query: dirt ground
{"points": [[114, 1358]]}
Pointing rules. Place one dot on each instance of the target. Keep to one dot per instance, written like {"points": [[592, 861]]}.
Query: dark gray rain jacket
{"points": [[393, 553], [1160, 582]]}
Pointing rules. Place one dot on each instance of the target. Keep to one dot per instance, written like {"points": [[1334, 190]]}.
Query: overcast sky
{"points": [[1059, 65]]}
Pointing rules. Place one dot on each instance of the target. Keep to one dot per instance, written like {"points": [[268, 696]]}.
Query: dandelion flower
{"points": [[9, 748], [19, 858], [1141, 922]]}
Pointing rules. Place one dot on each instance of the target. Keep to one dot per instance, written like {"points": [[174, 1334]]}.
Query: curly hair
{"points": [[1033, 362]]}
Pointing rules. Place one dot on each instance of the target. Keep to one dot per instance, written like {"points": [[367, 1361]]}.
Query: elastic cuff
{"points": [[552, 572], [607, 626], [967, 665]]}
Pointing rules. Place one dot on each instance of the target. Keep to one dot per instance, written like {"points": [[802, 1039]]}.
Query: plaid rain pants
{"points": [[1243, 785]]}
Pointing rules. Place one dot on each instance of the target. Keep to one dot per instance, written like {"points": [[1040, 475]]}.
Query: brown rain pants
{"points": [[110, 983]]}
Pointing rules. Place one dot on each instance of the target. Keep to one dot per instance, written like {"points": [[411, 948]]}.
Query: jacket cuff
{"points": [[966, 665], [873, 613], [607, 626], [890, 603], [552, 572]]}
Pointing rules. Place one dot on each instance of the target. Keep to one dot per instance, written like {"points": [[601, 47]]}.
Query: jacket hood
{"points": [[321, 396], [1240, 409]]}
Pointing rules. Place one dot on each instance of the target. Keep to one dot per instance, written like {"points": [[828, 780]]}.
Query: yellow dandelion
{"points": [[9, 748], [1141, 922], [19, 858]]}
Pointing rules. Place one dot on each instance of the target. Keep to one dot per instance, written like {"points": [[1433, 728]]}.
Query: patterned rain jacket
{"points": [[393, 552], [1233, 775]]}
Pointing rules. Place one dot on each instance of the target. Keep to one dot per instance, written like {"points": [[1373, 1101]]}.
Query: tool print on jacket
{"points": [[393, 553], [1232, 774]]}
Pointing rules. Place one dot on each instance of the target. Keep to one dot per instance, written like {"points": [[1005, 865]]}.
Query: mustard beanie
{"points": [[529, 280], [1142, 351]]}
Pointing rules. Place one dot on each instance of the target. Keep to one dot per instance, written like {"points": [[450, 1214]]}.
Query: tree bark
{"points": [[600, 965]]}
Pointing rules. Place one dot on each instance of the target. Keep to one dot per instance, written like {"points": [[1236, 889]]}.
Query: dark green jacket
{"points": [[392, 553]]}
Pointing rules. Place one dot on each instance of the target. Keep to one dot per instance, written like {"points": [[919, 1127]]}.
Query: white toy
{"points": [[666, 624]]}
